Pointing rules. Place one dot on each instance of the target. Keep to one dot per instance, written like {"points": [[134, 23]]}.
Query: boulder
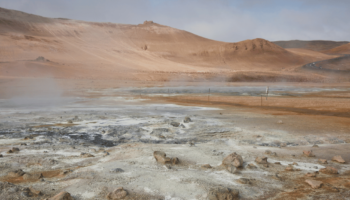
{"points": [[233, 159], [338, 159], [314, 184], [187, 120], [35, 176], [16, 173], [221, 193], [329, 170], [62, 196], [117, 194], [261, 160], [308, 153], [323, 161]]}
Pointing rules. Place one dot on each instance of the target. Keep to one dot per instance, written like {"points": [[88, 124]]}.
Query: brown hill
{"points": [[314, 45], [148, 51], [343, 49]]}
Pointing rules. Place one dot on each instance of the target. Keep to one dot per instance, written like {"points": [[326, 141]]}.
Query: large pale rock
{"points": [[62, 196], [338, 159], [314, 184], [117, 194], [223, 194], [308, 153], [261, 160], [233, 159], [329, 170]]}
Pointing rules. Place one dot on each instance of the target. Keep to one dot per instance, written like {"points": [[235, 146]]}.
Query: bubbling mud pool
{"points": [[77, 146]]}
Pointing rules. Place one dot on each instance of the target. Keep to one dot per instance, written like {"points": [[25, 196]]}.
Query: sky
{"points": [[223, 20]]}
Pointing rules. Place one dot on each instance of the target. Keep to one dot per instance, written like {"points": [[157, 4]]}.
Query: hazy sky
{"points": [[224, 20]]}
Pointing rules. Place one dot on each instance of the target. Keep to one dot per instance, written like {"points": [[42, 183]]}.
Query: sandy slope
{"points": [[343, 49], [80, 49], [314, 45]]}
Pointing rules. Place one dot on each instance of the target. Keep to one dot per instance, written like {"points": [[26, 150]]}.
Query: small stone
{"points": [[117, 194], [338, 159], [310, 174], [329, 170], [233, 159], [315, 167], [294, 163], [222, 193], [314, 184], [277, 163], [175, 124], [273, 154], [290, 168], [261, 160], [187, 120], [105, 153], [70, 122], [315, 145], [308, 153], [1, 156], [251, 166], [283, 145], [86, 155], [268, 152], [206, 166], [15, 149], [244, 181], [116, 170], [174, 160], [191, 143], [23, 144], [323, 161], [65, 172], [160, 157]]}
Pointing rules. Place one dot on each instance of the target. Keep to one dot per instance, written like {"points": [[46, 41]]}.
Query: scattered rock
{"points": [[222, 194], [41, 59], [160, 157], [70, 122], [105, 153], [117, 194], [174, 160], [65, 172], [261, 160], [314, 184], [23, 144], [1, 156], [315, 145], [182, 126], [62, 196], [310, 174], [323, 161], [28, 138], [187, 120], [191, 143], [244, 181], [175, 124], [116, 170], [277, 163], [338, 159], [233, 159], [308, 153], [294, 163], [206, 166], [329, 170], [289, 168], [35, 176], [283, 145], [16, 173], [86, 155], [268, 152], [251, 166]]}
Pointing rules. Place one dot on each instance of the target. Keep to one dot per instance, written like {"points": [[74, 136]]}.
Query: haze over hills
{"points": [[148, 51], [314, 45]]}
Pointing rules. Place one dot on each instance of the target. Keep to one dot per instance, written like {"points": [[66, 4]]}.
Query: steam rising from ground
{"points": [[35, 93]]}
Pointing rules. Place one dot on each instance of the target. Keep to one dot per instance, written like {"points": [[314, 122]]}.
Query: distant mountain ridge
{"points": [[314, 45]]}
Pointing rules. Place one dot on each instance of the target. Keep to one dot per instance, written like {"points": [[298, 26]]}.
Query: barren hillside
{"points": [[148, 51], [343, 49]]}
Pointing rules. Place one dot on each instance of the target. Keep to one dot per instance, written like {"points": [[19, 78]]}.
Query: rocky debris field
{"points": [[163, 151]]}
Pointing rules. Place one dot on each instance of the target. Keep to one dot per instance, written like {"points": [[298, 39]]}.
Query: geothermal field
{"points": [[116, 111]]}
